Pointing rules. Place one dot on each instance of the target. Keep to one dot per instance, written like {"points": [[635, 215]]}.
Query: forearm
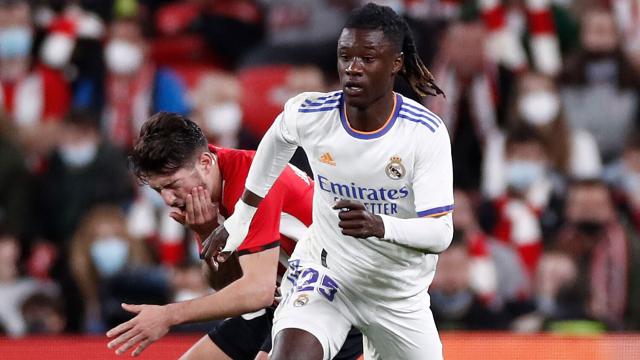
{"points": [[227, 272], [240, 297], [272, 156], [429, 234]]}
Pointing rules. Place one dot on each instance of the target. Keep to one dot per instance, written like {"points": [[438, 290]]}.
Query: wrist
{"points": [[387, 226], [174, 313]]}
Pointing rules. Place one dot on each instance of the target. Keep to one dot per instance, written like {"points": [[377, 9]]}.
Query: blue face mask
{"points": [[109, 254], [521, 174], [15, 42]]}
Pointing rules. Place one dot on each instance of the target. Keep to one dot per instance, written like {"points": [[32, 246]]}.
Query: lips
{"points": [[353, 88]]}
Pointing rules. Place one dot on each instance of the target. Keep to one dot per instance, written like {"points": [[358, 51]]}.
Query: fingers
{"points": [[119, 329], [223, 256], [131, 343], [214, 243], [123, 337], [191, 216], [358, 232], [213, 265], [177, 217], [344, 204], [143, 345], [132, 308], [351, 224], [352, 214]]}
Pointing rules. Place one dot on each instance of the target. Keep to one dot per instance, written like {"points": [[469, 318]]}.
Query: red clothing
{"points": [[292, 194]]}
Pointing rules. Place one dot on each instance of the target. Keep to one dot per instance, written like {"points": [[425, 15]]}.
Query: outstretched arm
{"points": [[252, 292]]}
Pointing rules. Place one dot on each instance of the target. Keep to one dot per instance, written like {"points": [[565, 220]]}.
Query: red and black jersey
{"points": [[282, 216]]}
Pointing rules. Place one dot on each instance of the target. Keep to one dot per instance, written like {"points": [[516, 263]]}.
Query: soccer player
{"points": [[172, 156], [382, 202]]}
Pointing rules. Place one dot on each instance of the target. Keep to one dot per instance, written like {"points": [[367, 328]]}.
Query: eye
{"points": [[344, 57], [368, 59]]}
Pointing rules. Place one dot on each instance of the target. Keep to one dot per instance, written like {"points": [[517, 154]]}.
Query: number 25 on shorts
{"points": [[308, 281]]}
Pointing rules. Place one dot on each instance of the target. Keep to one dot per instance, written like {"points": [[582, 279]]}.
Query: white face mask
{"points": [[15, 42], [223, 121], [109, 255], [78, 155], [521, 174], [56, 50], [539, 107], [123, 57]]}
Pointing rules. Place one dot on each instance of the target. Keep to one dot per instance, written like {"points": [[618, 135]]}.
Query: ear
{"points": [[206, 161], [398, 63]]}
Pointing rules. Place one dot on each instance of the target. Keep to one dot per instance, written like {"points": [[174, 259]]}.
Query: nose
{"points": [[355, 67], [168, 196]]}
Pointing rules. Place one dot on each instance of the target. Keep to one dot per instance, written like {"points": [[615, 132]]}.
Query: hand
{"points": [[212, 248], [356, 221], [202, 213], [151, 323]]}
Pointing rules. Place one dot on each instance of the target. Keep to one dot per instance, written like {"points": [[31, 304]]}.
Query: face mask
{"points": [[590, 227], [123, 57], [78, 155], [15, 42], [539, 107], [522, 173], [56, 50], [223, 118], [631, 182], [109, 255]]}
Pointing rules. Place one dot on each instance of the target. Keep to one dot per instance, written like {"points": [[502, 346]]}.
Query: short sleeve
{"points": [[433, 175], [286, 122]]}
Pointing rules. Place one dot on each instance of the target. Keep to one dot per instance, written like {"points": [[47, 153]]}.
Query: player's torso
{"points": [[375, 169]]}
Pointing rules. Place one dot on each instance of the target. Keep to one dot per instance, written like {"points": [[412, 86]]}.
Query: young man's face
{"points": [[175, 187], [367, 65]]}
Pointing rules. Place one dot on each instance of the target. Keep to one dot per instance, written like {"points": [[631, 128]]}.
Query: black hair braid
{"points": [[414, 70]]}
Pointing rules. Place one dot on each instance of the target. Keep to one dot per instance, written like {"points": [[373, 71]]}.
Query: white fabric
{"points": [[428, 234], [237, 225], [401, 329]]}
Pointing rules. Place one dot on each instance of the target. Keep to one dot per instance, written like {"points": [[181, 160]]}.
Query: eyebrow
{"points": [[158, 188]]}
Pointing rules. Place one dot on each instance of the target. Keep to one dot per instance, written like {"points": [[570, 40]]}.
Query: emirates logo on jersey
{"points": [[394, 169]]}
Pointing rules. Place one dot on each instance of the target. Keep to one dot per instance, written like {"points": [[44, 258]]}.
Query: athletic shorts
{"points": [[316, 301], [243, 337]]}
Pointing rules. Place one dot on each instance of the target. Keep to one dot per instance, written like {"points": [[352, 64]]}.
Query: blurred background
{"points": [[542, 105]]}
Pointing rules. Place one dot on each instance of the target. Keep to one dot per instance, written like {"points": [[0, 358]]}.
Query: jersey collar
{"points": [[367, 135]]}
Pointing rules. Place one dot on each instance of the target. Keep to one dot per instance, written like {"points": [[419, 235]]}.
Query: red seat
{"points": [[181, 49], [263, 96], [174, 18], [191, 74]]}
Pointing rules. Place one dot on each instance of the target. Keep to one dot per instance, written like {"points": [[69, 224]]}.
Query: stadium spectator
{"points": [[44, 314], [599, 73], [135, 87], [606, 254], [14, 288], [572, 151], [110, 267], [476, 100], [34, 97]]}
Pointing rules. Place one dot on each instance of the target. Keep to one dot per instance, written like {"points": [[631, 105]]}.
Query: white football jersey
{"points": [[403, 169]]}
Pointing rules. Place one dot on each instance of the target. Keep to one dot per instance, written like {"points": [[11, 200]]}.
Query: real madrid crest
{"points": [[302, 300], [394, 169]]}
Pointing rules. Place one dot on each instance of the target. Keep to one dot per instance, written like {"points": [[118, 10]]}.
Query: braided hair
{"points": [[396, 29]]}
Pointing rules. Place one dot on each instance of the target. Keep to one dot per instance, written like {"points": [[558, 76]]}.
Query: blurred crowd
{"points": [[542, 105]]}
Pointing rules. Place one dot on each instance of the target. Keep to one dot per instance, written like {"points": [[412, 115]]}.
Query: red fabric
{"points": [[541, 22], [530, 254], [171, 253], [8, 91], [63, 26], [290, 194], [174, 18], [57, 94], [494, 18]]}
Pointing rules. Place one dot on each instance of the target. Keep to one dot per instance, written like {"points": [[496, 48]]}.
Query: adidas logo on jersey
{"points": [[327, 159]]}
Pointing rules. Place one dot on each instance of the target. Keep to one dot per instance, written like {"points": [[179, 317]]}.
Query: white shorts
{"points": [[315, 301]]}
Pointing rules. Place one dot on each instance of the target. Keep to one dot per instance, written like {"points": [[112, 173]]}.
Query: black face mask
{"points": [[590, 227]]}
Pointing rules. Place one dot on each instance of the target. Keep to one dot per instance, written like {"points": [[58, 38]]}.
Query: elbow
{"points": [[264, 297], [445, 240]]}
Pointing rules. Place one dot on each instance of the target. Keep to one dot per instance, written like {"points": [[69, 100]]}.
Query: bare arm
{"points": [[253, 291]]}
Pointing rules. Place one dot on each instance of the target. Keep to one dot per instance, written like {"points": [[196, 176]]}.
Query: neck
{"points": [[373, 116]]}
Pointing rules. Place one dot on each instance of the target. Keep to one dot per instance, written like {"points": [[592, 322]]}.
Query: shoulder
{"points": [[421, 118], [314, 102], [232, 161]]}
